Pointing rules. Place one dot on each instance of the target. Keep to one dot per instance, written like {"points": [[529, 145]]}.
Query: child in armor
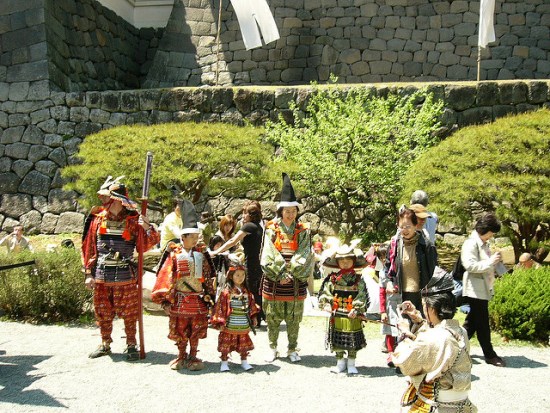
{"points": [[345, 297], [235, 315]]}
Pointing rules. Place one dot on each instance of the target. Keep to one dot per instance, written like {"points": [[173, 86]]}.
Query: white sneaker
{"points": [[351, 367], [340, 366], [294, 357], [246, 366], [272, 355], [224, 366]]}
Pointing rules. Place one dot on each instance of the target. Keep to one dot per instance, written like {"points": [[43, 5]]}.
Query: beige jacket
{"points": [[479, 276]]}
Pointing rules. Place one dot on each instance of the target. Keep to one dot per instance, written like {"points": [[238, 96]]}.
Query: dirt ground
{"points": [[46, 369]]}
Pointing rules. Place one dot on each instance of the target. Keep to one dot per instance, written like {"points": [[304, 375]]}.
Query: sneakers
{"points": [[340, 366], [224, 366], [102, 350], [132, 354], [351, 367], [272, 355], [194, 364], [294, 357], [496, 361], [245, 366]]}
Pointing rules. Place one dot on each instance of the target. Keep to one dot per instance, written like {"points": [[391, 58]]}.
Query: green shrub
{"points": [[503, 167], [352, 147], [520, 308], [52, 290], [200, 158]]}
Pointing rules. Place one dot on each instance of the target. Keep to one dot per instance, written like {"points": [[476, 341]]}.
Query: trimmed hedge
{"points": [[52, 290], [520, 308]]}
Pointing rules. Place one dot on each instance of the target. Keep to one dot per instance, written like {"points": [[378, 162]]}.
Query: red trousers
{"points": [[121, 301], [183, 329], [228, 342]]}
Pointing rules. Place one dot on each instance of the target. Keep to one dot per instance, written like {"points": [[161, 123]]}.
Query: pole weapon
{"points": [[368, 320], [141, 244], [17, 265]]}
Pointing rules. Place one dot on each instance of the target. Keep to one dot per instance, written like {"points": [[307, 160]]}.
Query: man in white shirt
{"points": [[16, 242]]}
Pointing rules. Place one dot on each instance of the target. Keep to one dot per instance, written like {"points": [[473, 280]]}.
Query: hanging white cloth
{"points": [[253, 16], [486, 22]]}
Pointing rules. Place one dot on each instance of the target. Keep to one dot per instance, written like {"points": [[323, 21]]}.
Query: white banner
{"points": [[486, 23], [251, 14]]}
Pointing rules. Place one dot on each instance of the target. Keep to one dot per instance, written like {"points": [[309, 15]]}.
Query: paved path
{"points": [[46, 369]]}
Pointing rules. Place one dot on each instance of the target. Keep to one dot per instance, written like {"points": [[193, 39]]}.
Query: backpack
{"points": [[458, 270], [458, 273]]}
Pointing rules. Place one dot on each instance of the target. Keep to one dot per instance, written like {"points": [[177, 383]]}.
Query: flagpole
{"points": [[218, 43], [486, 29], [478, 62]]}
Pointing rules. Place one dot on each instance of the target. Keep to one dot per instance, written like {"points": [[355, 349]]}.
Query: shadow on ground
{"points": [[516, 362], [15, 377]]}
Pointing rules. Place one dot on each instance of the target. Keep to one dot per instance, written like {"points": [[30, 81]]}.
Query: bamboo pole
{"points": [[478, 62], [218, 40]]}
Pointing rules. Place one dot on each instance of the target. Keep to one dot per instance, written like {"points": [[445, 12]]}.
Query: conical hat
{"points": [[189, 217], [288, 197]]}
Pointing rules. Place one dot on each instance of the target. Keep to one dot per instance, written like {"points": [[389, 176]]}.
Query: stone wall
{"points": [[79, 45], [91, 48], [357, 40], [71, 45], [39, 137]]}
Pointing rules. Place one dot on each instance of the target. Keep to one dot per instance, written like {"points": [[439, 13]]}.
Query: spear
{"points": [[141, 246]]}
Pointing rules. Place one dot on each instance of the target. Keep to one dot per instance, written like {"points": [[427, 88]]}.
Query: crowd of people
{"points": [[253, 271]]}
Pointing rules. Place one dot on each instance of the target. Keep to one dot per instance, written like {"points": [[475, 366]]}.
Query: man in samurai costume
{"points": [[108, 242], [346, 297], [185, 289], [287, 261]]}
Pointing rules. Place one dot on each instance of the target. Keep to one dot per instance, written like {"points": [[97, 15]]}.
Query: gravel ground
{"points": [[46, 369]]}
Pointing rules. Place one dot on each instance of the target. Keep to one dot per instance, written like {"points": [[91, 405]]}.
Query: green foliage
{"points": [[353, 146], [520, 308], [197, 157], [503, 167], [52, 290]]}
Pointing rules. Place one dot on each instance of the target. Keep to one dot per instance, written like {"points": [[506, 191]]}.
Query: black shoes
{"points": [[496, 361]]}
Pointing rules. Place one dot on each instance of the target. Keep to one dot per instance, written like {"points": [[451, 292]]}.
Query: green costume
{"points": [[287, 261], [344, 292]]}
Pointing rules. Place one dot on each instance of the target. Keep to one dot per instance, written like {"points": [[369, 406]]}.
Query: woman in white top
{"points": [[478, 281]]}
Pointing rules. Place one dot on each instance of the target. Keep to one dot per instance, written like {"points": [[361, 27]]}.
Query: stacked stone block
{"points": [[70, 45], [91, 48], [39, 137], [358, 41]]}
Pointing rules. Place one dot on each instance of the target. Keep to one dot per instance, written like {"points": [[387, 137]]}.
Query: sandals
{"points": [[102, 350], [178, 363], [194, 364], [132, 354]]}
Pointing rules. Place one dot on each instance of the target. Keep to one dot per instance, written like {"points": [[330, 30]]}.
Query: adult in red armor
{"points": [[108, 242]]}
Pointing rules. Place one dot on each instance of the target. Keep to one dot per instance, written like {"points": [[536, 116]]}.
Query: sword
{"points": [[368, 320], [141, 242]]}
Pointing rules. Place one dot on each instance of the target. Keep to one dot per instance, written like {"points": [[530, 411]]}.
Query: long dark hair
{"points": [[227, 219], [444, 304], [254, 211]]}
